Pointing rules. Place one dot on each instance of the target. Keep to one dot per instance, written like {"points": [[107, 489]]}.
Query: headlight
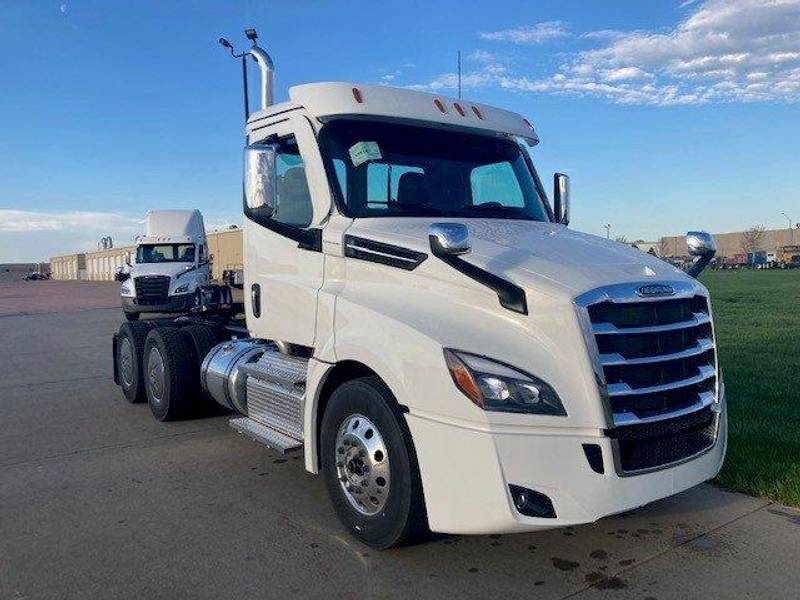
{"points": [[126, 289], [181, 289], [497, 387]]}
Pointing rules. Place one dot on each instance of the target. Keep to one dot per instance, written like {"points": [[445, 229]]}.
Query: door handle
{"points": [[255, 299]]}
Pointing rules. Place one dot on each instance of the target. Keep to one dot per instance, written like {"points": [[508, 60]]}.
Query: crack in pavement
{"points": [[649, 559]]}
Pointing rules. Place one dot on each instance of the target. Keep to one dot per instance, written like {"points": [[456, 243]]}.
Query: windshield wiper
{"points": [[422, 207]]}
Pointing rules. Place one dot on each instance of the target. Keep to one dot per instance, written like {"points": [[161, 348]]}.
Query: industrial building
{"points": [[731, 244]]}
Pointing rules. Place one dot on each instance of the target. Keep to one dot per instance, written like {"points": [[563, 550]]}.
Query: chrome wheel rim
{"points": [[155, 375], [362, 465], [126, 362]]}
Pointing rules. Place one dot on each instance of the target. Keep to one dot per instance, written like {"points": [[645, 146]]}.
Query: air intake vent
{"points": [[151, 289]]}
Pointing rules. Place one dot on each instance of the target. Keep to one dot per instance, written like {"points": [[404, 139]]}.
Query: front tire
{"points": [[169, 374], [370, 466]]}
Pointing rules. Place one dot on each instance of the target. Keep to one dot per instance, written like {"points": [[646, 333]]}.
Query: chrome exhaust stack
{"points": [[702, 247], [267, 68]]}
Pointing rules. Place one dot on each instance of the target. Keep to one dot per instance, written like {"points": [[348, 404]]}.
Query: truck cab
{"points": [[423, 325], [169, 265]]}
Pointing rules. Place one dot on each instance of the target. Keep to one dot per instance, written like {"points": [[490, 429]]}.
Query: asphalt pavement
{"points": [[98, 500]]}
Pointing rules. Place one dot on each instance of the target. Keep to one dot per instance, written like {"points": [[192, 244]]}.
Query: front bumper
{"points": [[466, 473], [174, 304]]}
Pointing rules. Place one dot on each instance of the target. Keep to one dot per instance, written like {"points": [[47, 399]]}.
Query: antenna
{"points": [[459, 74], [226, 44]]}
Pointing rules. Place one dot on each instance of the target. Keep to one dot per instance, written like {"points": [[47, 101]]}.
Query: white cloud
{"points": [[722, 51], [529, 34], [20, 221], [482, 56]]}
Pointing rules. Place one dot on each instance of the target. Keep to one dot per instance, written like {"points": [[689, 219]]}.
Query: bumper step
{"points": [[265, 435]]}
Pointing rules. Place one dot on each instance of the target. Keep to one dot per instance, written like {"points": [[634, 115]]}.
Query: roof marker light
{"points": [[357, 95], [440, 106], [458, 108], [477, 112]]}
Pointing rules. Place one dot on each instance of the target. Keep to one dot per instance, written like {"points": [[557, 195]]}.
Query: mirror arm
{"points": [[698, 265]]}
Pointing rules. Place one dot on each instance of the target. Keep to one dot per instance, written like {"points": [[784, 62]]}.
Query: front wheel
{"points": [[370, 467]]}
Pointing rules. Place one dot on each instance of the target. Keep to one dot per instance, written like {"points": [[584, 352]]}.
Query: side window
{"points": [[294, 200], [384, 183], [496, 183], [341, 175]]}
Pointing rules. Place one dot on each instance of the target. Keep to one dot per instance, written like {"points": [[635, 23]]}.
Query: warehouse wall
{"points": [[70, 266], [226, 248], [101, 265], [730, 244]]}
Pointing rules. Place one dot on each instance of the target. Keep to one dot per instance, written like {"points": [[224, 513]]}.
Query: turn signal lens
{"points": [[463, 378]]}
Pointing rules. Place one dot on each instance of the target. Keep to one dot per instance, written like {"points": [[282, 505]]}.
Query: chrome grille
{"points": [[151, 289], [656, 361]]}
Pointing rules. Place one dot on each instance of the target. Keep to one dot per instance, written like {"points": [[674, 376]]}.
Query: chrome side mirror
{"points": [[702, 247], [561, 198], [260, 180], [120, 275], [449, 238]]}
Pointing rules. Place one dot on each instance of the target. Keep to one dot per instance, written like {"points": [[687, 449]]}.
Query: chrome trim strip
{"points": [[611, 329], [623, 293], [616, 360], [705, 399], [623, 389]]}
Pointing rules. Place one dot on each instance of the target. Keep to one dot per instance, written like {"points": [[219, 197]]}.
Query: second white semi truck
{"points": [[422, 324], [169, 267]]}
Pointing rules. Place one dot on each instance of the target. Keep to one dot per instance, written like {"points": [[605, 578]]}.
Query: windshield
{"points": [[389, 170], [161, 253]]}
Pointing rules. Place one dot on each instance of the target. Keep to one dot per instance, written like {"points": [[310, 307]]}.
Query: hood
{"points": [[531, 253]]}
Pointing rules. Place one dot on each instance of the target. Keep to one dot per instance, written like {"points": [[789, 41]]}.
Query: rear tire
{"points": [[132, 316], [169, 373], [380, 500], [130, 348], [201, 339]]}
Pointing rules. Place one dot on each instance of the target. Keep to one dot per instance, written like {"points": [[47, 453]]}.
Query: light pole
{"points": [[607, 227], [791, 231]]}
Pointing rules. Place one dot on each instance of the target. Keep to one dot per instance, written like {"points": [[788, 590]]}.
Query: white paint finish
{"points": [[335, 99], [179, 224], [466, 473]]}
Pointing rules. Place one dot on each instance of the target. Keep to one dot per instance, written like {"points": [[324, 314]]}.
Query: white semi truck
{"points": [[170, 266], [423, 326]]}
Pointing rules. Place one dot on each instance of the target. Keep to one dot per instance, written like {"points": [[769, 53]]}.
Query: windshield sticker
{"points": [[361, 152]]}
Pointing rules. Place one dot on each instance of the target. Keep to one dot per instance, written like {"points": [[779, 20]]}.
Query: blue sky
{"points": [[667, 115]]}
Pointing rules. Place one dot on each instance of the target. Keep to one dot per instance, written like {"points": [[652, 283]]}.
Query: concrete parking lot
{"points": [[98, 500]]}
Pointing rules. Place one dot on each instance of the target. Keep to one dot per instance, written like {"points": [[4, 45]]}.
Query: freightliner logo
{"points": [[648, 291]]}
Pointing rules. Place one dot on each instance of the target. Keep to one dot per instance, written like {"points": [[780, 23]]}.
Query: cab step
{"points": [[265, 435]]}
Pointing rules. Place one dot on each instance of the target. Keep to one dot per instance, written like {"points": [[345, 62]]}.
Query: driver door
{"points": [[284, 263]]}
